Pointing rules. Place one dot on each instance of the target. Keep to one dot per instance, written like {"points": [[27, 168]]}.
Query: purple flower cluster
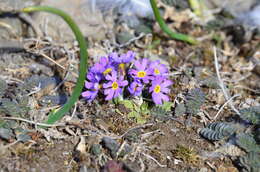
{"points": [[113, 73]]}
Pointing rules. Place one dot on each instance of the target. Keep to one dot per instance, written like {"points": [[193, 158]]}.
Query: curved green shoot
{"points": [[57, 115], [167, 30]]}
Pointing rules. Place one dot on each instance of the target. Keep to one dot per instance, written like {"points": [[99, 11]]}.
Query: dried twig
{"points": [[130, 41], [59, 65], [32, 122], [222, 107], [152, 158], [134, 128], [221, 83]]}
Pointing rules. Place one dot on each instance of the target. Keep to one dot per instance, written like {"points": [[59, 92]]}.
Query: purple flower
{"points": [[141, 71], [159, 90], [114, 87], [104, 66], [124, 58], [92, 85], [158, 69], [136, 88]]}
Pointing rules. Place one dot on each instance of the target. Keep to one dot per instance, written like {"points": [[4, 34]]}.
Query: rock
{"points": [[235, 7], [54, 100], [124, 37], [12, 5], [6, 133], [113, 147], [115, 166], [91, 25], [43, 83], [11, 25], [142, 28]]}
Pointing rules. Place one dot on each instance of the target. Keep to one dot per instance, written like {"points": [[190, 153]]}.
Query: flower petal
{"points": [[89, 85], [117, 92], [138, 65], [144, 63], [110, 94], [166, 83], [107, 85], [156, 98], [123, 83]]}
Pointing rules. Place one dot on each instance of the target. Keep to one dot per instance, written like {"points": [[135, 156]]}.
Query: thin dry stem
{"points": [[221, 83], [222, 107], [32, 122]]}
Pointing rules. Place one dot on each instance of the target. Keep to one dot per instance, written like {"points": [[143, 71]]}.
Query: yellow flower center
{"points": [[156, 71], [141, 74], [122, 66], [108, 70], [114, 85], [157, 88]]}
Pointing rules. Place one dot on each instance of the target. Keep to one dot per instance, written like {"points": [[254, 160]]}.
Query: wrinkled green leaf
{"points": [[211, 82], [144, 108], [250, 162], [133, 114], [251, 114], [161, 112], [139, 119], [247, 142], [194, 100], [128, 104], [167, 106], [3, 87], [217, 131], [13, 108]]}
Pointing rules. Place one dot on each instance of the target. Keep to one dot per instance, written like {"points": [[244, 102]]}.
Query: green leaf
{"points": [[217, 131], [140, 120], [194, 100], [247, 142], [3, 87], [137, 108], [144, 108], [251, 114], [133, 114], [128, 104], [250, 162], [13, 108], [167, 106]]}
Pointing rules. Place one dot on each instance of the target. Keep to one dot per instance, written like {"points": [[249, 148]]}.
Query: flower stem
{"points": [[57, 115], [167, 30]]}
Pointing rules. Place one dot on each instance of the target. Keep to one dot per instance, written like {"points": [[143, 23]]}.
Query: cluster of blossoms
{"points": [[110, 75]]}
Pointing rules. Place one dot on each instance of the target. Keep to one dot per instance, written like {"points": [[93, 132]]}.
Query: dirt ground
{"points": [[38, 75]]}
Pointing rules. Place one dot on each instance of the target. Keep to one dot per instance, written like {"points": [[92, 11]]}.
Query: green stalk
{"points": [[167, 30], [57, 115]]}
